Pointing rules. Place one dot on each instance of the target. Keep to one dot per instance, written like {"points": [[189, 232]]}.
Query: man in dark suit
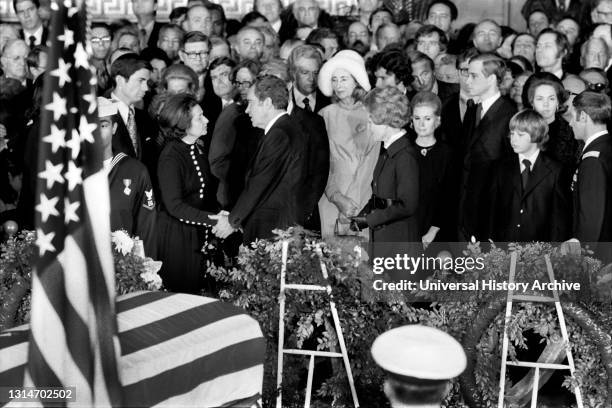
{"points": [[131, 75], [32, 31], [273, 182], [304, 63], [530, 195], [425, 79], [300, 18], [148, 28], [315, 143], [592, 184], [485, 141]]}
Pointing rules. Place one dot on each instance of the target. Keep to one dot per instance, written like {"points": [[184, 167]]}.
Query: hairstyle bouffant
{"points": [[388, 106], [175, 115], [425, 98]]}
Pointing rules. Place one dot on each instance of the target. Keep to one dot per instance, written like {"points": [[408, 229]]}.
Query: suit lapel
{"points": [[539, 172], [484, 121]]}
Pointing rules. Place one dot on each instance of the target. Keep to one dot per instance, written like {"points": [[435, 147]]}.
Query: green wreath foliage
{"points": [[254, 284]]}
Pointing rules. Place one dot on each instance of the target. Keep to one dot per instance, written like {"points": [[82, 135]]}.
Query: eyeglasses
{"points": [[100, 40], [598, 87], [243, 84], [196, 54]]}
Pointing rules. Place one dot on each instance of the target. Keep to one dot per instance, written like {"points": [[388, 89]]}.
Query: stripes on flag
{"points": [[178, 351], [73, 327]]}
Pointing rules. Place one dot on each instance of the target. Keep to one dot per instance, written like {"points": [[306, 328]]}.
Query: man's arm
{"points": [[592, 192]]}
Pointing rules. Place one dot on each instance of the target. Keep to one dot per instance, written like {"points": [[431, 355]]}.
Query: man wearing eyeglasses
{"points": [[101, 45], [195, 52], [32, 29]]}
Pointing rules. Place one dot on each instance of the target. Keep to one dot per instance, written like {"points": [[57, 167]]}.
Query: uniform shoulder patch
{"points": [[593, 153]]}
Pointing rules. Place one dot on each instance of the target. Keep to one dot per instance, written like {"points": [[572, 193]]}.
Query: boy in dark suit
{"points": [[529, 196], [131, 194]]}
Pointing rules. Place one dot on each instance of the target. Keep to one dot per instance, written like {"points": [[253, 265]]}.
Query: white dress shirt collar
{"points": [[299, 98], [487, 103], [36, 33], [593, 137], [272, 122], [532, 158], [122, 107]]}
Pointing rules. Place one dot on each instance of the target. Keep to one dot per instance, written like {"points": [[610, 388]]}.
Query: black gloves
{"points": [[358, 223]]}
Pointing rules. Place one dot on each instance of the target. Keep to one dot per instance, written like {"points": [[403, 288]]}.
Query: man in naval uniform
{"points": [[592, 185], [133, 206], [419, 362]]}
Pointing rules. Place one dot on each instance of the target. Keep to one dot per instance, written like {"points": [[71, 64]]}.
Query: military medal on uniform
{"points": [[127, 183]]}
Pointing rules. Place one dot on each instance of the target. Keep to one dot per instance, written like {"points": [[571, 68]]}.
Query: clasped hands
{"points": [[223, 228]]}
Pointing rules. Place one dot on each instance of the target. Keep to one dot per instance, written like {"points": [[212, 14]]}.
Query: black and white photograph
{"points": [[306, 203]]}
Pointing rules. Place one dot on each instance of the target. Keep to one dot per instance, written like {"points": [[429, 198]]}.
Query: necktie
{"points": [[32, 41], [307, 105], [131, 126], [526, 173], [561, 5], [143, 38], [383, 151], [478, 114]]}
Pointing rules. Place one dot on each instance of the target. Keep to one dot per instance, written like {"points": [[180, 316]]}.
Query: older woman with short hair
{"points": [[391, 213], [353, 152]]}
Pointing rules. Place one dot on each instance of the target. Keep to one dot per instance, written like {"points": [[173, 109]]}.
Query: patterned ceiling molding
{"points": [[108, 10]]}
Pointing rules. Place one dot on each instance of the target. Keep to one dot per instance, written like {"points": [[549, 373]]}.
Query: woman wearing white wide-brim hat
{"points": [[353, 152]]}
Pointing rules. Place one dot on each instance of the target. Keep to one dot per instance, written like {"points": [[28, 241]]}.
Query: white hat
{"points": [[106, 107], [345, 59], [418, 354]]}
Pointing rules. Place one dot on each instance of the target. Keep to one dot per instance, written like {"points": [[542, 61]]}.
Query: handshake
{"points": [[223, 228]]}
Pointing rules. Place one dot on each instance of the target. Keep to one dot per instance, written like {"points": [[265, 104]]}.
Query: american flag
{"points": [[73, 327]]}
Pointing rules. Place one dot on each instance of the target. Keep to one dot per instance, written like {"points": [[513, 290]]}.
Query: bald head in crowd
{"points": [[487, 36], [306, 12], [250, 43], [198, 19]]}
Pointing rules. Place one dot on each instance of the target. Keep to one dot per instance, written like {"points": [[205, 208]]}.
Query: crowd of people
{"points": [[396, 126]]}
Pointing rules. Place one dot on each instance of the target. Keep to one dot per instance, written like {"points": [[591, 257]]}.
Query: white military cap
{"points": [[106, 107], [419, 354]]}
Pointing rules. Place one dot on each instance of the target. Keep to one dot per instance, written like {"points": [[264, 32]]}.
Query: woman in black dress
{"points": [[547, 97], [435, 164], [187, 194]]}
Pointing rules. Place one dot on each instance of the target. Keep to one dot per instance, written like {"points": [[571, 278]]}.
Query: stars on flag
{"points": [[52, 174], [73, 175], [56, 138], [70, 211], [74, 144], [67, 38], [62, 72], [46, 207], [91, 99], [86, 129], [57, 106], [81, 59], [43, 241]]}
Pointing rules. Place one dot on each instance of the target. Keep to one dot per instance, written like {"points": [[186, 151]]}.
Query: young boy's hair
{"points": [[531, 122]]}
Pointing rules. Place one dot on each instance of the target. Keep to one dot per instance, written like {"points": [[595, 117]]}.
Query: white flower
{"points": [[150, 275], [123, 242]]}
